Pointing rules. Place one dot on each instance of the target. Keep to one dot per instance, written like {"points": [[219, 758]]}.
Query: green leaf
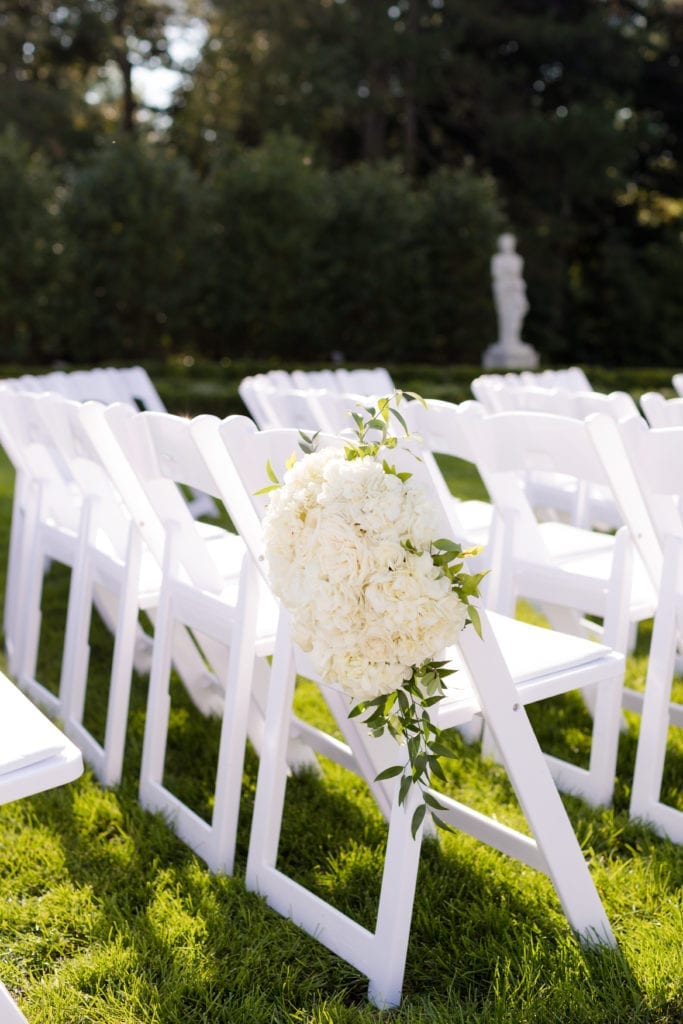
{"points": [[404, 788], [401, 420], [389, 773], [418, 818], [442, 749], [270, 473], [475, 620], [267, 490], [308, 442], [432, 801], [443, 544], [443, 824], [436, 769]]}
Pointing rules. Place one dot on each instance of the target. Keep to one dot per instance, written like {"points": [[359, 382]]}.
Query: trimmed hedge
{"points": [[269, 256], [135, 256]]}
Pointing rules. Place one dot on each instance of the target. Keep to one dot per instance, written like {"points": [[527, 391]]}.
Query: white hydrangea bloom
{"points": [[368, 610]]}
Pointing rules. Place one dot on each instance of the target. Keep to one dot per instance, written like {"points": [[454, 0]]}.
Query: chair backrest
{"points": [[336, 408], [645, 467], [157, 447], [299, 408], [64, 421], [660, 411], [305, 379], [361, 381], [513, 447], [139, 389], [442, 426], [677, 382], [538, 398], [617, 404], [570, 378], [490, 391], [493, 390], [256, 392], [34, 450]]}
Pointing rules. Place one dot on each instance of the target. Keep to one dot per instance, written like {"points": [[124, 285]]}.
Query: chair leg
{"points": [[657, 711], [15, 566], [76, 653], [380, 955], [123, 658], [220, 851], [158, 706], [535, 789]]}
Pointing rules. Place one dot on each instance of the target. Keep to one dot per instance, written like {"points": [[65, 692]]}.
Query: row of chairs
{"points": [[111, 477], [597, 471], [569, 378], [261, 393], [548, 391]]}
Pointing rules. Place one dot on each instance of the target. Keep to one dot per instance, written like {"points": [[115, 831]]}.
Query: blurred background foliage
{"points": [[330, 177]]}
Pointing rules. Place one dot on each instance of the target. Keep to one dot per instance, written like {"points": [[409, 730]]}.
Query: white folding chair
{"points": [[34, 756], [659, 713], [111, 568], [646, 467], [677, 382], [46, 519], [13, 445], [543, 663], [48, 500], [570, 572], [209, 587], [660, 411]]}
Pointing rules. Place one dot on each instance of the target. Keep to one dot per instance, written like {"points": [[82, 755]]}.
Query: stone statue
{"points": [[509, 294]]}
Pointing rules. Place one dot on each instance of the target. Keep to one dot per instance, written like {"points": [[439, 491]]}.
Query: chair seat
{"points": [[34, 754], [596, 568], [563, 540], [533, 655], [476, 517]]}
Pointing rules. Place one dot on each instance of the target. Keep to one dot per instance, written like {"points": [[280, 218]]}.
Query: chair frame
{"points": [[381, 953]]}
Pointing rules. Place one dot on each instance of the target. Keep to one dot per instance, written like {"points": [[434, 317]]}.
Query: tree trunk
{"points": [[128, 106], [410, 107]]}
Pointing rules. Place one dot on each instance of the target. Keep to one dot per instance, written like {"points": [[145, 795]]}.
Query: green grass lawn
{"points": [[106, 917]]}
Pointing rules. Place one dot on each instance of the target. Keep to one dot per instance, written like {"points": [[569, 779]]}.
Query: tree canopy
{"points": [[573, 107]]}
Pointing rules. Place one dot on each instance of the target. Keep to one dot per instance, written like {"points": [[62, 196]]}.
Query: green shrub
{"points": [[459, 223], [626, 301], [129, 221], [375, 269], [265, 213], [30, 252]]}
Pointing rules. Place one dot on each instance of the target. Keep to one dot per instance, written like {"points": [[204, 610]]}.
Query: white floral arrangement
{"points": [[374, 597]]}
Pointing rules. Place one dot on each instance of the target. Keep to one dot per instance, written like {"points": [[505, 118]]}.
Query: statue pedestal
{"points": [[519, 356]]}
